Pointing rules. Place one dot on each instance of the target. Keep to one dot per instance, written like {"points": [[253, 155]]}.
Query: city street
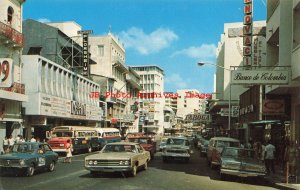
{"points": [[173, 175]]}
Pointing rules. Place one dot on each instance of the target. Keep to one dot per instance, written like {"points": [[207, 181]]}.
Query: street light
{"points": [[229, 102]]}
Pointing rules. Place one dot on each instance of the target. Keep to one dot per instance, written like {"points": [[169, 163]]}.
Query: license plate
{"points": [[61, 145], [83, 142]]}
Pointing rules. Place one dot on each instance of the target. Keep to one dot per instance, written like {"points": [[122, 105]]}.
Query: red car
{"points": [[146, 142]]}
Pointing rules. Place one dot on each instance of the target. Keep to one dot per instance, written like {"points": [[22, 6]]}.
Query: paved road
{"points": [[174, 175]]}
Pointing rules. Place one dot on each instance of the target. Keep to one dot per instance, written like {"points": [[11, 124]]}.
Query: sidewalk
{"points": [[279, 181]]}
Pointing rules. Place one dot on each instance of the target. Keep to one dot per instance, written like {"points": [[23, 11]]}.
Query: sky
{"points": [[172, 34]]}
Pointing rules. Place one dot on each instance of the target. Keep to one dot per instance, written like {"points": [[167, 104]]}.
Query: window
{"points": [[101, 50], [10, 12], [34, 51]]}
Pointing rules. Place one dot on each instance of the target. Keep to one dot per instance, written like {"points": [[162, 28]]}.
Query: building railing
{"points": [[118, 59], [12, 34]]}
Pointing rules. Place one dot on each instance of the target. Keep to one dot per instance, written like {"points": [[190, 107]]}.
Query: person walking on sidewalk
{"points": [[269, 157], [68, 157]]}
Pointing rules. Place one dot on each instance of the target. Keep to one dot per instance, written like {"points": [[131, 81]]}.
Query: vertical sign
{"points": [[247, 33], [85, 53], [6, 72]]}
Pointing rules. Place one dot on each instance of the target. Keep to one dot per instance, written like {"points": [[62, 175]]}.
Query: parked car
{"points": [[145, 141], [29, 157], [177, 148], [162, 144], [203, 146], [118, 157], [215, 147], [240, 162]]}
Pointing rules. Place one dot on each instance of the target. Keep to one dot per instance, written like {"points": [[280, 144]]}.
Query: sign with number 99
{"points": [[6, 68]]}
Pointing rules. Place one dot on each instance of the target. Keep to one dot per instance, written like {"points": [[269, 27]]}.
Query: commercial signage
{"points": [[85, 53], [128, 118], [273, 107], [197, 117], [247, 33], [247, 109], [78, 108], [259, 77], [234, 111], [6, 72]]}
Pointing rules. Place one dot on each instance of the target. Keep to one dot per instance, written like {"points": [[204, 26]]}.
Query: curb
{"points": [[281, 186]]}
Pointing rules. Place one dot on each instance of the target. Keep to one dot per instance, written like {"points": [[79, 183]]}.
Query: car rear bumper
{"points": [[175, 155]]}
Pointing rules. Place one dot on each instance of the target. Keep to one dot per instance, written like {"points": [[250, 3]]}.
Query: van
{"points": [[108, 135], [215, 148]]}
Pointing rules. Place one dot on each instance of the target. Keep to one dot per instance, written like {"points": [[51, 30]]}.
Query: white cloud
{"points": [[43, 20], [203, 52], [146, 44], [176, 80]]}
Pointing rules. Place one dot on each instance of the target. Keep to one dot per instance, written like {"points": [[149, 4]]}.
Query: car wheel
{"points": [[30, 170], [223, 177], [133, 171], [51, 166], [146, 165]]}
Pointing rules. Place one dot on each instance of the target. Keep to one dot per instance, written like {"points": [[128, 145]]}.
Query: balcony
{"points": [[12, 36], [133, 81]]}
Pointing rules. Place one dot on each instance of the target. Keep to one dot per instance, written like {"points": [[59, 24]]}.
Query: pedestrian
{"points": [[11, 142], [5, 144], [68, 147], [17, 139], [22, 139], [32, 139], [269, 157]]}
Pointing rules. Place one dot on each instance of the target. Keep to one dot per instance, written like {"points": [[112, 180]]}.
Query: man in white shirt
{"points": [[32, 139], [269, 157]]}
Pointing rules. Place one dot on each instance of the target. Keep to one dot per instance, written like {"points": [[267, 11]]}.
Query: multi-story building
{"points": [[121, 83], [171, 102], [283, 53], [56, 60], [152, 98], [230, 57], [12, 88], [190, 101]]}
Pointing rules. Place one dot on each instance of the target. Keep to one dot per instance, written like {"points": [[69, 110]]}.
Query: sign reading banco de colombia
{"points": [[259, 77]]}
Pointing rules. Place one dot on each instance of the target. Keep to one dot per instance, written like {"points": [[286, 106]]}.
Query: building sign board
{"points": [[6, 72], [259, 77], [128, 118], [247, 33], [85, 52], [273, 107], [198, 117]]}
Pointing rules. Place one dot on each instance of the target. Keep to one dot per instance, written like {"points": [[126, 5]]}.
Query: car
{"points": [[203, 146], [215, 147], [118, 157], [162, 144], [177, 148], [240, 162], [145, 141], [29, 157]]}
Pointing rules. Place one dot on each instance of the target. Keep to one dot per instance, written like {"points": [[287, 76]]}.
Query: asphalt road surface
{"points": [[173, 175]]}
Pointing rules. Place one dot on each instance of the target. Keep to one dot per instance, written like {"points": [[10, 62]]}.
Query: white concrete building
{"points": [[152, 97], [283, 49], [57, 96], [229, 57], [189, 101], [12, 88]]}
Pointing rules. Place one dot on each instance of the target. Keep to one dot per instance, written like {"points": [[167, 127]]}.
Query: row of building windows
{"points": [[61, 83]]}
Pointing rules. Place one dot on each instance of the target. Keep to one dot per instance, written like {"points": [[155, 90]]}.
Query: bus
{"points": [[107, 135], [82, 138]]}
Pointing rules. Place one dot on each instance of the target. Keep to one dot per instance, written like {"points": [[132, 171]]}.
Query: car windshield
{"points": [[227, 144], [118, 148], [175, 142], [62, 134], [238, 153], [139, 140], [23, 148]]}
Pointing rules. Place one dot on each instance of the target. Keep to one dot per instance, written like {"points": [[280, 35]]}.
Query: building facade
{"points": [[12, 88], [152, 98]]}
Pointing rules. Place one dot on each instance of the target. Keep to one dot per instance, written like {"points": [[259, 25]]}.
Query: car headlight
{"points": [[121, 162], [127, 162], [95, 162], [22, 162], [90, 162]]}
